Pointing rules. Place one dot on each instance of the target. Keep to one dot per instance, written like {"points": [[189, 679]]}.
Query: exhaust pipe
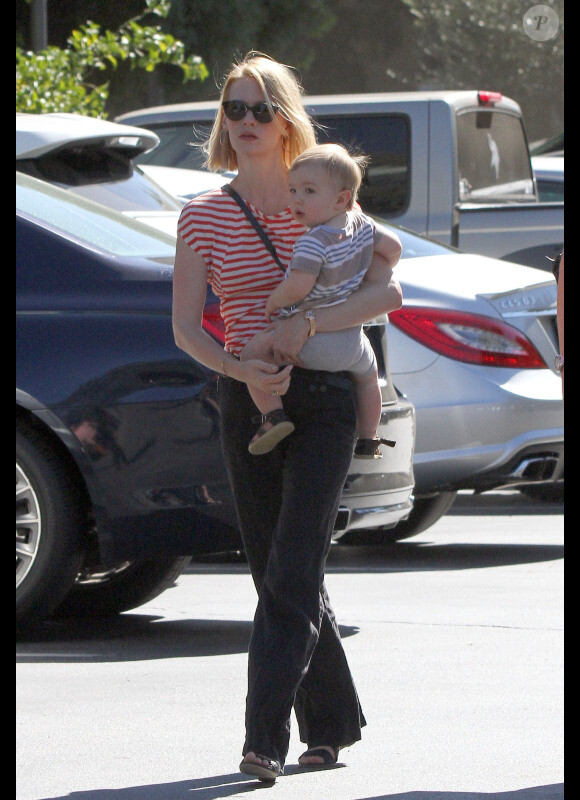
{"points": [[540, 468]]}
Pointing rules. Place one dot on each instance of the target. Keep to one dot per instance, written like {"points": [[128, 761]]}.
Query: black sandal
{"points": [[327, 757], [267, 773], [371, 448], [275, 427]]}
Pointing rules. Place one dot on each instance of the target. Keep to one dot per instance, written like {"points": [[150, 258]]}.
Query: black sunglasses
{"points": [[237, 110]]}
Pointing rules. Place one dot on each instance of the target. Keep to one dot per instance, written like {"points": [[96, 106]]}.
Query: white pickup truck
{"points": [[453, 165]]}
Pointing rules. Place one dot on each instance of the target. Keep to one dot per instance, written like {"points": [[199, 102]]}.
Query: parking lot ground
{"points": [[455, 639]]}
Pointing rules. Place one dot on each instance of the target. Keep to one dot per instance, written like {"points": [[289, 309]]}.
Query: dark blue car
{"points": [[119, 474]]}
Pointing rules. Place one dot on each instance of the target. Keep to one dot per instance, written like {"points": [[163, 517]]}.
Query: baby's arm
{"points": [[295, 286], [388, 245]]}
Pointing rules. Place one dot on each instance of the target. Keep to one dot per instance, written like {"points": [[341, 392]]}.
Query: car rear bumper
{"points": [[505, 427], [378, 492]]}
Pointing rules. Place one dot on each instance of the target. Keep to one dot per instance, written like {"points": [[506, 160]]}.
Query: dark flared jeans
{"points": [[287, 502]]}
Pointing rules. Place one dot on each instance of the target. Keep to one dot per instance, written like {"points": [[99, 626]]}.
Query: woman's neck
{"points": [[263, 185]]}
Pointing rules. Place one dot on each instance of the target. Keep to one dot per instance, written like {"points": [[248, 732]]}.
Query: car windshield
{"points": [[493, 158], [88, 222]]}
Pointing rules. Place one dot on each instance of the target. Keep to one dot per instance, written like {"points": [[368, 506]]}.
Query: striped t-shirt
{"points": [[338, 257], [241, 271]]}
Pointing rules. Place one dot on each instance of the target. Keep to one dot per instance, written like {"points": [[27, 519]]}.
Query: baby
{"points": [[328, 263]]}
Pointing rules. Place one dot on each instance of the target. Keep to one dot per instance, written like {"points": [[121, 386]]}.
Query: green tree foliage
{"points": [[58, 79], [337, 46], [222, 31], [466, 44], [288, 30], [407, 45]]}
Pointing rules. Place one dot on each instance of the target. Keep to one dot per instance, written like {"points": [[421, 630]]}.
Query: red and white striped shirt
{"points": [[241, 271]]}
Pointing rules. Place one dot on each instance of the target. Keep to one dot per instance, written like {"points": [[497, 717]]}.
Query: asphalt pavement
{"points": [[454, 637]]}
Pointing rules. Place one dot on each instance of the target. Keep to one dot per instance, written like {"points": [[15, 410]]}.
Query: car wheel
{"points": [[426, 511], [105, 592], [50, 523]]}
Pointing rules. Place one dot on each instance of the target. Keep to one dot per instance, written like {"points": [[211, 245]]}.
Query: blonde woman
{"points": [[286, 500]]}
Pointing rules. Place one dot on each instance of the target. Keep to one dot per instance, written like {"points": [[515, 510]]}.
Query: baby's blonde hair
{"points": [[281, 88], [344, 167]]}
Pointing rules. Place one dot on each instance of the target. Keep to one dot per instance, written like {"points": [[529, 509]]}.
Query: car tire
{"points": [[100, 593], [50, 525], [425, 513]]}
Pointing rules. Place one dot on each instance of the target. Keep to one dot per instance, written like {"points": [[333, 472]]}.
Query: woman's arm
{"points": [[189, 293], [378, 294], [388, 245]]}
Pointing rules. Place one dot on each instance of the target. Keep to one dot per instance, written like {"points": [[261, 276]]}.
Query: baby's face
{"points": [[314, 195]]}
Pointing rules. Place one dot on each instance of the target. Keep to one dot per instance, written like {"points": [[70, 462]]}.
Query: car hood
{"points": [[164, 221], [458, 279]]}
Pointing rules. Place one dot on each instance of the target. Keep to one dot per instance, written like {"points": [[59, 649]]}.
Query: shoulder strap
{"points": [[255, 224]]}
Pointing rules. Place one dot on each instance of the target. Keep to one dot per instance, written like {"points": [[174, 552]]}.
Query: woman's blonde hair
{"points": [[345, 168], [281, 88]]}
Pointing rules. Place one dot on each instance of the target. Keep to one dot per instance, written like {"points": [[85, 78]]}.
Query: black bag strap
{"points": [[255, 224]]}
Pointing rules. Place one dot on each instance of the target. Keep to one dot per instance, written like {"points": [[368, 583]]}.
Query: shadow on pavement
{"points": [[135, 637], [409, 556], [553, 791], [210, 788], [213, 788], [512, 503]]}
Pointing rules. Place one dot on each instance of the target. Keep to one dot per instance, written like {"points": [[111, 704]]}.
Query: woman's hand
{"points": [[263, 376]]}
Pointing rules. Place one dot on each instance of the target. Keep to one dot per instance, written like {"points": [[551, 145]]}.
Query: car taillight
{"points": [[488, 98], [468, 337], [213, 322]]}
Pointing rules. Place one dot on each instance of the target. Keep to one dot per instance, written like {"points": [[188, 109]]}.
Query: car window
{"points": [[493, 158], [550, 191], [89, 223], [178, 145], [386, 140]]}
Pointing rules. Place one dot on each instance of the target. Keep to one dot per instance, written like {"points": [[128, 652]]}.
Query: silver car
{"points": [[473, 347]]}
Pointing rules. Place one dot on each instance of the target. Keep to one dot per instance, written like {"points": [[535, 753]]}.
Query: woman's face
{"points": [[249, 137]]}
